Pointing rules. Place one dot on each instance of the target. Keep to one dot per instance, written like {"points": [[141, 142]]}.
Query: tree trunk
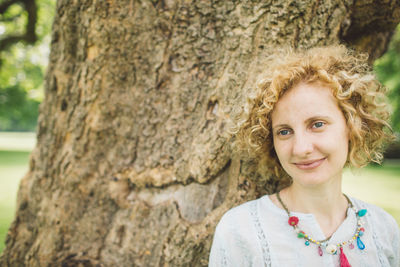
{"points": [[133, 166]]}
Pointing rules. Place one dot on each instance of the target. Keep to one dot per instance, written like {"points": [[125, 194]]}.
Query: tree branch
{"points": [[30, 35], [31, 8], [371, 26]]}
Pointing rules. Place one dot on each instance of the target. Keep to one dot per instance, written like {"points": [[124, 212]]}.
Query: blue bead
{"points": [[361, 233], [307, 243], [360, 244], [362, 212]]}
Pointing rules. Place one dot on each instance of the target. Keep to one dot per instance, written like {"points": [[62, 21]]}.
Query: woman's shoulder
{"points": [[240, 215], [379, 216], [371, 208], [235, 238], [385, 230]]}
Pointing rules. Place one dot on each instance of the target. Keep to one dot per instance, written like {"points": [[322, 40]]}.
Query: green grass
{"points": [[15, 148], [13, 166]]}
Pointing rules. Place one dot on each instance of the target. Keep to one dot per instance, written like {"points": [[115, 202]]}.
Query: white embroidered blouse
{"points": [[257, 233]]}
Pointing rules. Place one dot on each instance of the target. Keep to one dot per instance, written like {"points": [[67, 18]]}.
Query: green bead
{"points": [[300, 235], [362, 212]]}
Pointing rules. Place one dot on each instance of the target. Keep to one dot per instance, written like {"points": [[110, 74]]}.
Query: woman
{"points": [[316, 112]]}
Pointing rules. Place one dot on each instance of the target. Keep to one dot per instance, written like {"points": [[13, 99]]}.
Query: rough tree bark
{"points": [[132, 165]]}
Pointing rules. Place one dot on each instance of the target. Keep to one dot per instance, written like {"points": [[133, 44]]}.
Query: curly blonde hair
{"points": [[359, 95]]}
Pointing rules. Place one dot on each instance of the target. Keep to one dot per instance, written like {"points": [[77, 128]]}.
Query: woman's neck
{"points": [[326, 203]]}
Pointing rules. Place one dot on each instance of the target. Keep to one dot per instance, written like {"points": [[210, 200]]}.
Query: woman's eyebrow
{"points": [[318, 117], [279, 126]]}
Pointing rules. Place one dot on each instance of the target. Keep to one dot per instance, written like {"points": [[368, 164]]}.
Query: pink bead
{"points": [[320, 251]]}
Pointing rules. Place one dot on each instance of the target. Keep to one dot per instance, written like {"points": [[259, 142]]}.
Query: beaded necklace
{"points": [[330, 248]]}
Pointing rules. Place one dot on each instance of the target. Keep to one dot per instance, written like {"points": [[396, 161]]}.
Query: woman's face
{"points": [[310, 134]]}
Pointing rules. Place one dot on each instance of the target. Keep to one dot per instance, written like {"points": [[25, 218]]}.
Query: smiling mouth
{"points": [[308, 165]]}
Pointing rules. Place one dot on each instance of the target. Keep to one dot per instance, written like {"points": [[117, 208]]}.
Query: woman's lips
{"points": [[308, 165]]}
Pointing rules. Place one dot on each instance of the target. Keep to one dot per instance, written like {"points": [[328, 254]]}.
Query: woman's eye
{"points": [[318, 124], [283, 132]]}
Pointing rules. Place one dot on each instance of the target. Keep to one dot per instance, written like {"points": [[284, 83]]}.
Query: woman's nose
{"points": [[303, 144]]}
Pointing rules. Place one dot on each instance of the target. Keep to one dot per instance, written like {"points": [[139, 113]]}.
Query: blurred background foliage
{"points": [[25, 30], [387, 69]]}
